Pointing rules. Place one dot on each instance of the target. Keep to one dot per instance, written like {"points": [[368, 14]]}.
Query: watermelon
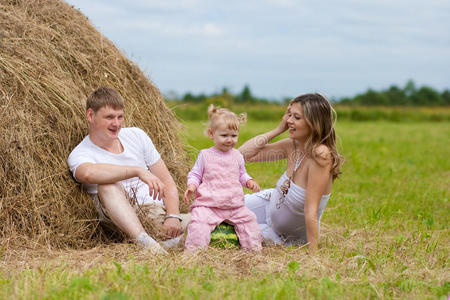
{"points": [[224, 236]]}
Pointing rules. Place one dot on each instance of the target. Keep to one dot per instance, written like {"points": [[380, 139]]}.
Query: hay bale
{"points": [[51, 58]]}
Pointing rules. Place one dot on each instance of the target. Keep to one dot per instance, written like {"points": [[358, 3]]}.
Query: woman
{"points": [[290, 213]]}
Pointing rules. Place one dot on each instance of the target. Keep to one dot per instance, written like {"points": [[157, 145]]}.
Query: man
{"points": [[116, 164]]}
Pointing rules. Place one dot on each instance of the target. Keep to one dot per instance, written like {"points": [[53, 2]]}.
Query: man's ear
{"points": [[90, 114]]}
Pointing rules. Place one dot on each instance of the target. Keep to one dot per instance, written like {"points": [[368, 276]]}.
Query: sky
{"points": [[280, 48]]}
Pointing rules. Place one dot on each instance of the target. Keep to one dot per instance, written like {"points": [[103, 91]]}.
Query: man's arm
{"points": [[172, 226], [104, 173], [109, 173]]}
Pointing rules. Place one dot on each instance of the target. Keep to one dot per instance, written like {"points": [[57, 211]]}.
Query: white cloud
{"points": [[168, 5], [212, 29], [282, 3], [171, 29]]}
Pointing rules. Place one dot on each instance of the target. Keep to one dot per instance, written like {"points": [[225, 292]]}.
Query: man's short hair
{"points": [[103, 97]]}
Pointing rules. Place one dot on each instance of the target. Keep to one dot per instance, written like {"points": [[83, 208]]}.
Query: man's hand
{"points": [[172, 227], [189, 193], [251, 184], [155, 185]]}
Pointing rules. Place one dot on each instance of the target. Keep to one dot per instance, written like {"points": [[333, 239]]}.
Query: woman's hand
{"points": [[259, 149], [189, 193], [283, 126], [251, 184]]}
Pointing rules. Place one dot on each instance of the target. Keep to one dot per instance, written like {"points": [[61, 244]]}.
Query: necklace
{"points": [[284, 188]]}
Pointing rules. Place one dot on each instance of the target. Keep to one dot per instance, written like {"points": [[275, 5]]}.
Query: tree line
{"points": [[223, 98], [409, 95]]}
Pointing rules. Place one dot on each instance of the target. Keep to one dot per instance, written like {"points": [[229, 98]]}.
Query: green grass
{"points": [[384, 234]]}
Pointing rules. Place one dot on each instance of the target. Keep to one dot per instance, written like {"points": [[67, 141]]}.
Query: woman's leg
{"points": [[258, 203], [269, 236]]}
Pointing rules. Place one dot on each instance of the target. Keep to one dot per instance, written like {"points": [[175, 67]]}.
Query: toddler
{"points": [[216, 180]]}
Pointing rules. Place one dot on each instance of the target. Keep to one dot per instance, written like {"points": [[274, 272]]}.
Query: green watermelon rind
{"points": [[224, 236]]}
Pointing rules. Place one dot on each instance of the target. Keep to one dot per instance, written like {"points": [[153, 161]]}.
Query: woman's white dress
{"points": [[283, 223]]}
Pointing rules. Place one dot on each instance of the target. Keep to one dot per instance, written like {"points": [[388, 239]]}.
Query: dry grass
{"points": [[235, 263], [51, 58], [350, 263], [376, 260]]}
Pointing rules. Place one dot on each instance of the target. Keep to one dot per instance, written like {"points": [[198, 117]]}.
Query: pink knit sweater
{"points": [[219, 177]]}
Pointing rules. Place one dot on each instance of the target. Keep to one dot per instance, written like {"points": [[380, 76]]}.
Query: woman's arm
{"points": [[319, 176], [257, 148]]}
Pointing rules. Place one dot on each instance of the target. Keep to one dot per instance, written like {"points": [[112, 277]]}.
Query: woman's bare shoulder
{"points": [[322, 155]]}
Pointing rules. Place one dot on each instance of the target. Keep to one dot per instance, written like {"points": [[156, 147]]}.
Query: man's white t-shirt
{"points": [[138, 151]]}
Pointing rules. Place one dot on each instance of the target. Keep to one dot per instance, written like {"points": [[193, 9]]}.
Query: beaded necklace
{"points": [[287, 183]]}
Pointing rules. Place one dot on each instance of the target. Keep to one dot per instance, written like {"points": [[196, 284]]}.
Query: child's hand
{"points": [[189, 193], [251, 184]]}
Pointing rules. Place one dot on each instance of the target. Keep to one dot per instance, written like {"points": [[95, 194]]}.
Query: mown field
{"points": [[385, 234]]}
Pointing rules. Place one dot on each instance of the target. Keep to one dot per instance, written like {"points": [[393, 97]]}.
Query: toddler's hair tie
{"points": [[242, 118]]}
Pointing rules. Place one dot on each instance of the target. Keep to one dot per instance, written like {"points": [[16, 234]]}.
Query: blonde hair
{"points": [[218, 116], [320, 116]]}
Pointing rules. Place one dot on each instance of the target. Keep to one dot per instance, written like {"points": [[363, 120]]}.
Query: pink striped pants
{"points": [[205, 219]]}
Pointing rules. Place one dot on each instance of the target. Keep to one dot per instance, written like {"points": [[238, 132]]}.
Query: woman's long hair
{"points": [[320, 117]]}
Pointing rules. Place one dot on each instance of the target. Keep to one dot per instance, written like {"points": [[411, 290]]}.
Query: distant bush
{"points": [[260, 111], [394, 114], [409, 95], [274, 112]]}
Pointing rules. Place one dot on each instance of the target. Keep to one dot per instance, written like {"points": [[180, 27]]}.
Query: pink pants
{"points": [[205, 219]]}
